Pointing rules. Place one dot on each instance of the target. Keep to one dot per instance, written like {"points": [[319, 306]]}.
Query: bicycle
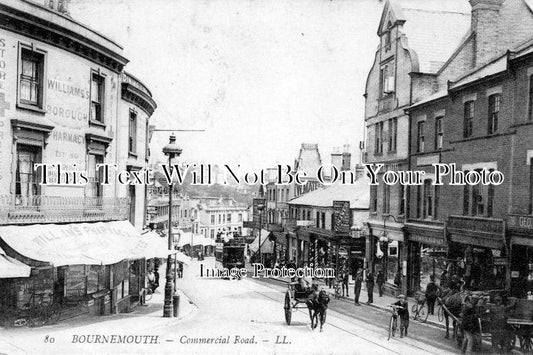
{"points": [[38, 312], [393, 323], [419, 309]]}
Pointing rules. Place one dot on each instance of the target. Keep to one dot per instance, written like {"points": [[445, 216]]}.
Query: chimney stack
{"points": [[485, 22]]}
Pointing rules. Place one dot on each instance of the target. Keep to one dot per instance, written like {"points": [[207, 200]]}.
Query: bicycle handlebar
{"points": [[396, 306]]}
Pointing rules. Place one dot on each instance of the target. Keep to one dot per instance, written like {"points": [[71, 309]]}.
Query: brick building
{"points": [[415, 40], [477, 118], [434, 50]]}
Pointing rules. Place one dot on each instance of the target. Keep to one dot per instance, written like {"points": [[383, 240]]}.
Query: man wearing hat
{"points": [[357, 286], [403, 314]]}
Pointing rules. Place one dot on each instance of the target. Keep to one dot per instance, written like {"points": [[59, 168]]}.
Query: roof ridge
{"points": [[437, 11]]}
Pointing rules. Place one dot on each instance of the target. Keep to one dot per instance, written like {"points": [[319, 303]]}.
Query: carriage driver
{"points": [[306, 283]]}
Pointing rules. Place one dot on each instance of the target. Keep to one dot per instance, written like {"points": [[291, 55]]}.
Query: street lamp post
{"points": [[260, 208], [171, 150], [192, 236]]}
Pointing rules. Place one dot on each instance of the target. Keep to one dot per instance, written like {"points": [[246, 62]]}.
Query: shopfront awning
{"points": [[101, 243], [10, 267], [182, 258], [185, 238], [266, 245]]}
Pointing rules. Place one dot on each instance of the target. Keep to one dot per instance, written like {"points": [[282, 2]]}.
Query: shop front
{"points": [[520, 232], [427, 250], [97, 268], [388, 254], [478, 252]]}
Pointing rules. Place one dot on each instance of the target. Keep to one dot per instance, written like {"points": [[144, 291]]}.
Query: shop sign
{"points": [[425, 239], [515, 274], [248, 224], [520, 222], [500, 261], [341, 213], [476, 224], [90, 303], [107, 298]]}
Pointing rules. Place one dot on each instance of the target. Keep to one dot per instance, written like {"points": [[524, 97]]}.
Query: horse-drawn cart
{"points": [[294, 299], [520, 322]]}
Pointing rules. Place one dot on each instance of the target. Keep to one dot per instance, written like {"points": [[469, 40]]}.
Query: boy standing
{"points": [[403, 314]]}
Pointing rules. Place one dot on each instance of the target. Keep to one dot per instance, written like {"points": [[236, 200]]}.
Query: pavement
{"points": [[146, 319], [229, 317]]}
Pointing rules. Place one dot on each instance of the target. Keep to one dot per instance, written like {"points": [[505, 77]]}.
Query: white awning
{"points": [[184, 238], [182, 258], [10, 267], [81, 243], [266, 245]]}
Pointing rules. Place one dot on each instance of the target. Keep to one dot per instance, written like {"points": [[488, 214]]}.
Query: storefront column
{"points": [[404, 259]]}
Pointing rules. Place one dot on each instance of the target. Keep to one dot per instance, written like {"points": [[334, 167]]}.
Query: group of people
{"points": [[370, 281]]}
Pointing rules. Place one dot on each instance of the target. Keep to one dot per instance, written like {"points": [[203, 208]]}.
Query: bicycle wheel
{"points": [[440, 313], [423, 313], [390, 327], [35, 316]]}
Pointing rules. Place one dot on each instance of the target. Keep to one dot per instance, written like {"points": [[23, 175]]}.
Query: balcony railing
{"points": [[17, 209]]}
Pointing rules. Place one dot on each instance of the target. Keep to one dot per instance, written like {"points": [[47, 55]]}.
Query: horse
{"points": [[453, 303], [318, 306]]}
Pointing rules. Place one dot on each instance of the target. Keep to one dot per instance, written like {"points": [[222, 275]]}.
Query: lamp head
{"points": [[172, 149]]}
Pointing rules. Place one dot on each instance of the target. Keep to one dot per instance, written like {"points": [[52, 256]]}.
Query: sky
{"points": [[261, 77]]}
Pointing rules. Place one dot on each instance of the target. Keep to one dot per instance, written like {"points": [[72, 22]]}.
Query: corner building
{"points": [[65, 98]]}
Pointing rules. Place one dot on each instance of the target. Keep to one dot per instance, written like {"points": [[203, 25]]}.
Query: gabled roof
{"points": [[433, 28], [309, 159], [358, 194]]}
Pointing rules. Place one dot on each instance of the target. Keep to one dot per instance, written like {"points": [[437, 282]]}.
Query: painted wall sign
{"points": [[341, 213]]}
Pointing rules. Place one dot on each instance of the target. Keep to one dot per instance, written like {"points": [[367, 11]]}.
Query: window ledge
{"points": [[484, 137], [97, 123], [31, 108], [132, 154]]}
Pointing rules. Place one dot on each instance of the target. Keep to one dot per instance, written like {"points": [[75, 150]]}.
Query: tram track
{"points": [[341, 328]]}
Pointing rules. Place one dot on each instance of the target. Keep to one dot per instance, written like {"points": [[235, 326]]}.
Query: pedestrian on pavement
{"points": [[444, 280], [470, 327], [151, 280], [432, 291], [380, 280], [357, 287], [156, 273], [403, 314], [345, 279], [180, 270], [370, 287]]}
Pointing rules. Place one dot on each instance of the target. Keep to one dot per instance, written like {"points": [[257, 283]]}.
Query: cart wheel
{"points": [[288, 308], [423, 314], [440, 314]]}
